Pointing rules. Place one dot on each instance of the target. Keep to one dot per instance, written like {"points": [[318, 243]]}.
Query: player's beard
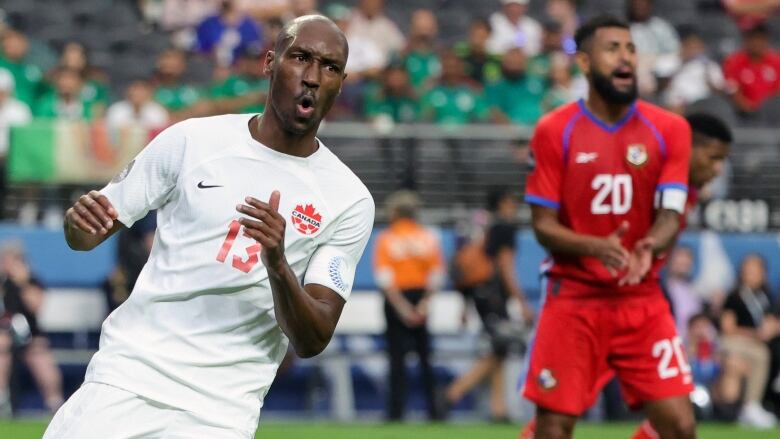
{"points": [[603, 86]]}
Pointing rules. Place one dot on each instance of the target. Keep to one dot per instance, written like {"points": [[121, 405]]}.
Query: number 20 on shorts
{"points": [[664, 350]]}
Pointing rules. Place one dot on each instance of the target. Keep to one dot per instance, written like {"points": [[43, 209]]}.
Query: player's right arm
{"points": [[543, 193], [90, 221], [145, 184], [558, 238]]}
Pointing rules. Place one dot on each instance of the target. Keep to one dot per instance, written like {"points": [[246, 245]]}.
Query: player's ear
{"points": [[583, 62], [268, 63]]}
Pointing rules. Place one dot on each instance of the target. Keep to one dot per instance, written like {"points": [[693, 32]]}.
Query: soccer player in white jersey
{"points": [[260, 228]]}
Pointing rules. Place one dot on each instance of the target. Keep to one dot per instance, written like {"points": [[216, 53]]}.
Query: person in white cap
{"points": [[511, 28]]}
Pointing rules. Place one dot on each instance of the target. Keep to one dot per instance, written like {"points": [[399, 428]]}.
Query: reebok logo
{"points": [[586, 157]]}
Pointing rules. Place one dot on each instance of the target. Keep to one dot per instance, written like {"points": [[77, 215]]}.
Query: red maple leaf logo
{"points": [[306, 219]]}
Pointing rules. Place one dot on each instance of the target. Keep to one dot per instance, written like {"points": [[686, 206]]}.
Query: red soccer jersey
{"points": [[757, 80], [597, 175]]}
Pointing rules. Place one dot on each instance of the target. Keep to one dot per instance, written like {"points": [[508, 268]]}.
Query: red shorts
{"points": [[580, 344]]}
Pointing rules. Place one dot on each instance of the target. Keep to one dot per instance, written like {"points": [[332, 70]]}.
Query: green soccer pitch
{"points": [[273, 430]]}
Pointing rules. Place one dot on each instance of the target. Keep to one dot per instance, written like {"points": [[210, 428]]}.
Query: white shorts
{"points": [[101, 411]]}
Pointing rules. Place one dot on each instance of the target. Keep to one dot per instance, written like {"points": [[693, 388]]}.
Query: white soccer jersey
{"points": [[198, 331]]}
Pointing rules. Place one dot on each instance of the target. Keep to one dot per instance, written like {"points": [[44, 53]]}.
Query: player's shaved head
{"points": [[295, 26]]}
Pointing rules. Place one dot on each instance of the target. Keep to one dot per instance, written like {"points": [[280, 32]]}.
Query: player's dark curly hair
{"points": [[587, 30], [704, 124]]}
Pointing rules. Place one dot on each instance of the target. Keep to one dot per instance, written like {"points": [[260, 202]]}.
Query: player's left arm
{"points": [[308, 313], [670, 199]]}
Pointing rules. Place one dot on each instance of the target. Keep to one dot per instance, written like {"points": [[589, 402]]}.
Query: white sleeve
{"points": [[334, 262], [148, 180]]}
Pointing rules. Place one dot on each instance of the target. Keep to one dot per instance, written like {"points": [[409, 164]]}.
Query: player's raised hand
{"points": [[265, 226], [611, 252], [639, 262], [92, 214]]}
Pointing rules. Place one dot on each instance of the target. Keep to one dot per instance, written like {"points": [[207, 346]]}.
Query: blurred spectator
{"points": [[564, 86], [753, 73], [565, 13], [299, 8], [23, 298], [421, 58], [66, 100], [657, 45], [701, 338], [285, 10], [369, 22], [748, 13], [245, 90], [517, 97], [225, 34], [744, 337], [365, 59], [552, 42], [95, 90], [684, 301], [491, 298], [27, 77], [454, 100], [698, 77], [137, 109], [177, 15], [169, 89], [409, 268], [393, 99], [721, 377], [482, 66], [773, 387], [513, 28], [13, 112]]}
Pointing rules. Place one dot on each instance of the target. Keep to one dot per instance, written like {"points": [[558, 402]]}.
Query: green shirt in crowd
{"points": [[481, 69], [454, 105], [519, 100], [422, 66], [177, 97], [50, 106], [238, 85], [401, 109], [28, 79]]}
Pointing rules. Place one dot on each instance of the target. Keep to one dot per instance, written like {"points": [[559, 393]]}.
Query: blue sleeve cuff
{"points": [[541, 201]]}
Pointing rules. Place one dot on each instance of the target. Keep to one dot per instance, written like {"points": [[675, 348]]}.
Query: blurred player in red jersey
{"points": [[711, 139], [607, 191]]}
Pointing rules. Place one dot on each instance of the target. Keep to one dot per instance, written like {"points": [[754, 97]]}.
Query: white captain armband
{"points": [[672, 197]]}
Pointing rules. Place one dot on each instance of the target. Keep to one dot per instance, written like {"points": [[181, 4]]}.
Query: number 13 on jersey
{"points": [[613, 194], [252, 251]]}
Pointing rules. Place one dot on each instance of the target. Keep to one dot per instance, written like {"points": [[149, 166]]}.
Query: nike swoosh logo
{"points": [[203, 186]]}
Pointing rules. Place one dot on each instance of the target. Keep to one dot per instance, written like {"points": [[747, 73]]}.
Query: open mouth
{"points": [[305, 105], [624, 77]]}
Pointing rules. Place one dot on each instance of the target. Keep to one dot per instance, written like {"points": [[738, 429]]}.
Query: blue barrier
{"points": [[55, 264], [58, 266]]}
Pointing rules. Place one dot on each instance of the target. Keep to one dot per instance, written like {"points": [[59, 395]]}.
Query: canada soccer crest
{"points": [[636, 154], [306, 219]]}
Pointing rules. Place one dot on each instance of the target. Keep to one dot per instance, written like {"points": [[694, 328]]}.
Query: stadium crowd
{"points": [[507, 68]]}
